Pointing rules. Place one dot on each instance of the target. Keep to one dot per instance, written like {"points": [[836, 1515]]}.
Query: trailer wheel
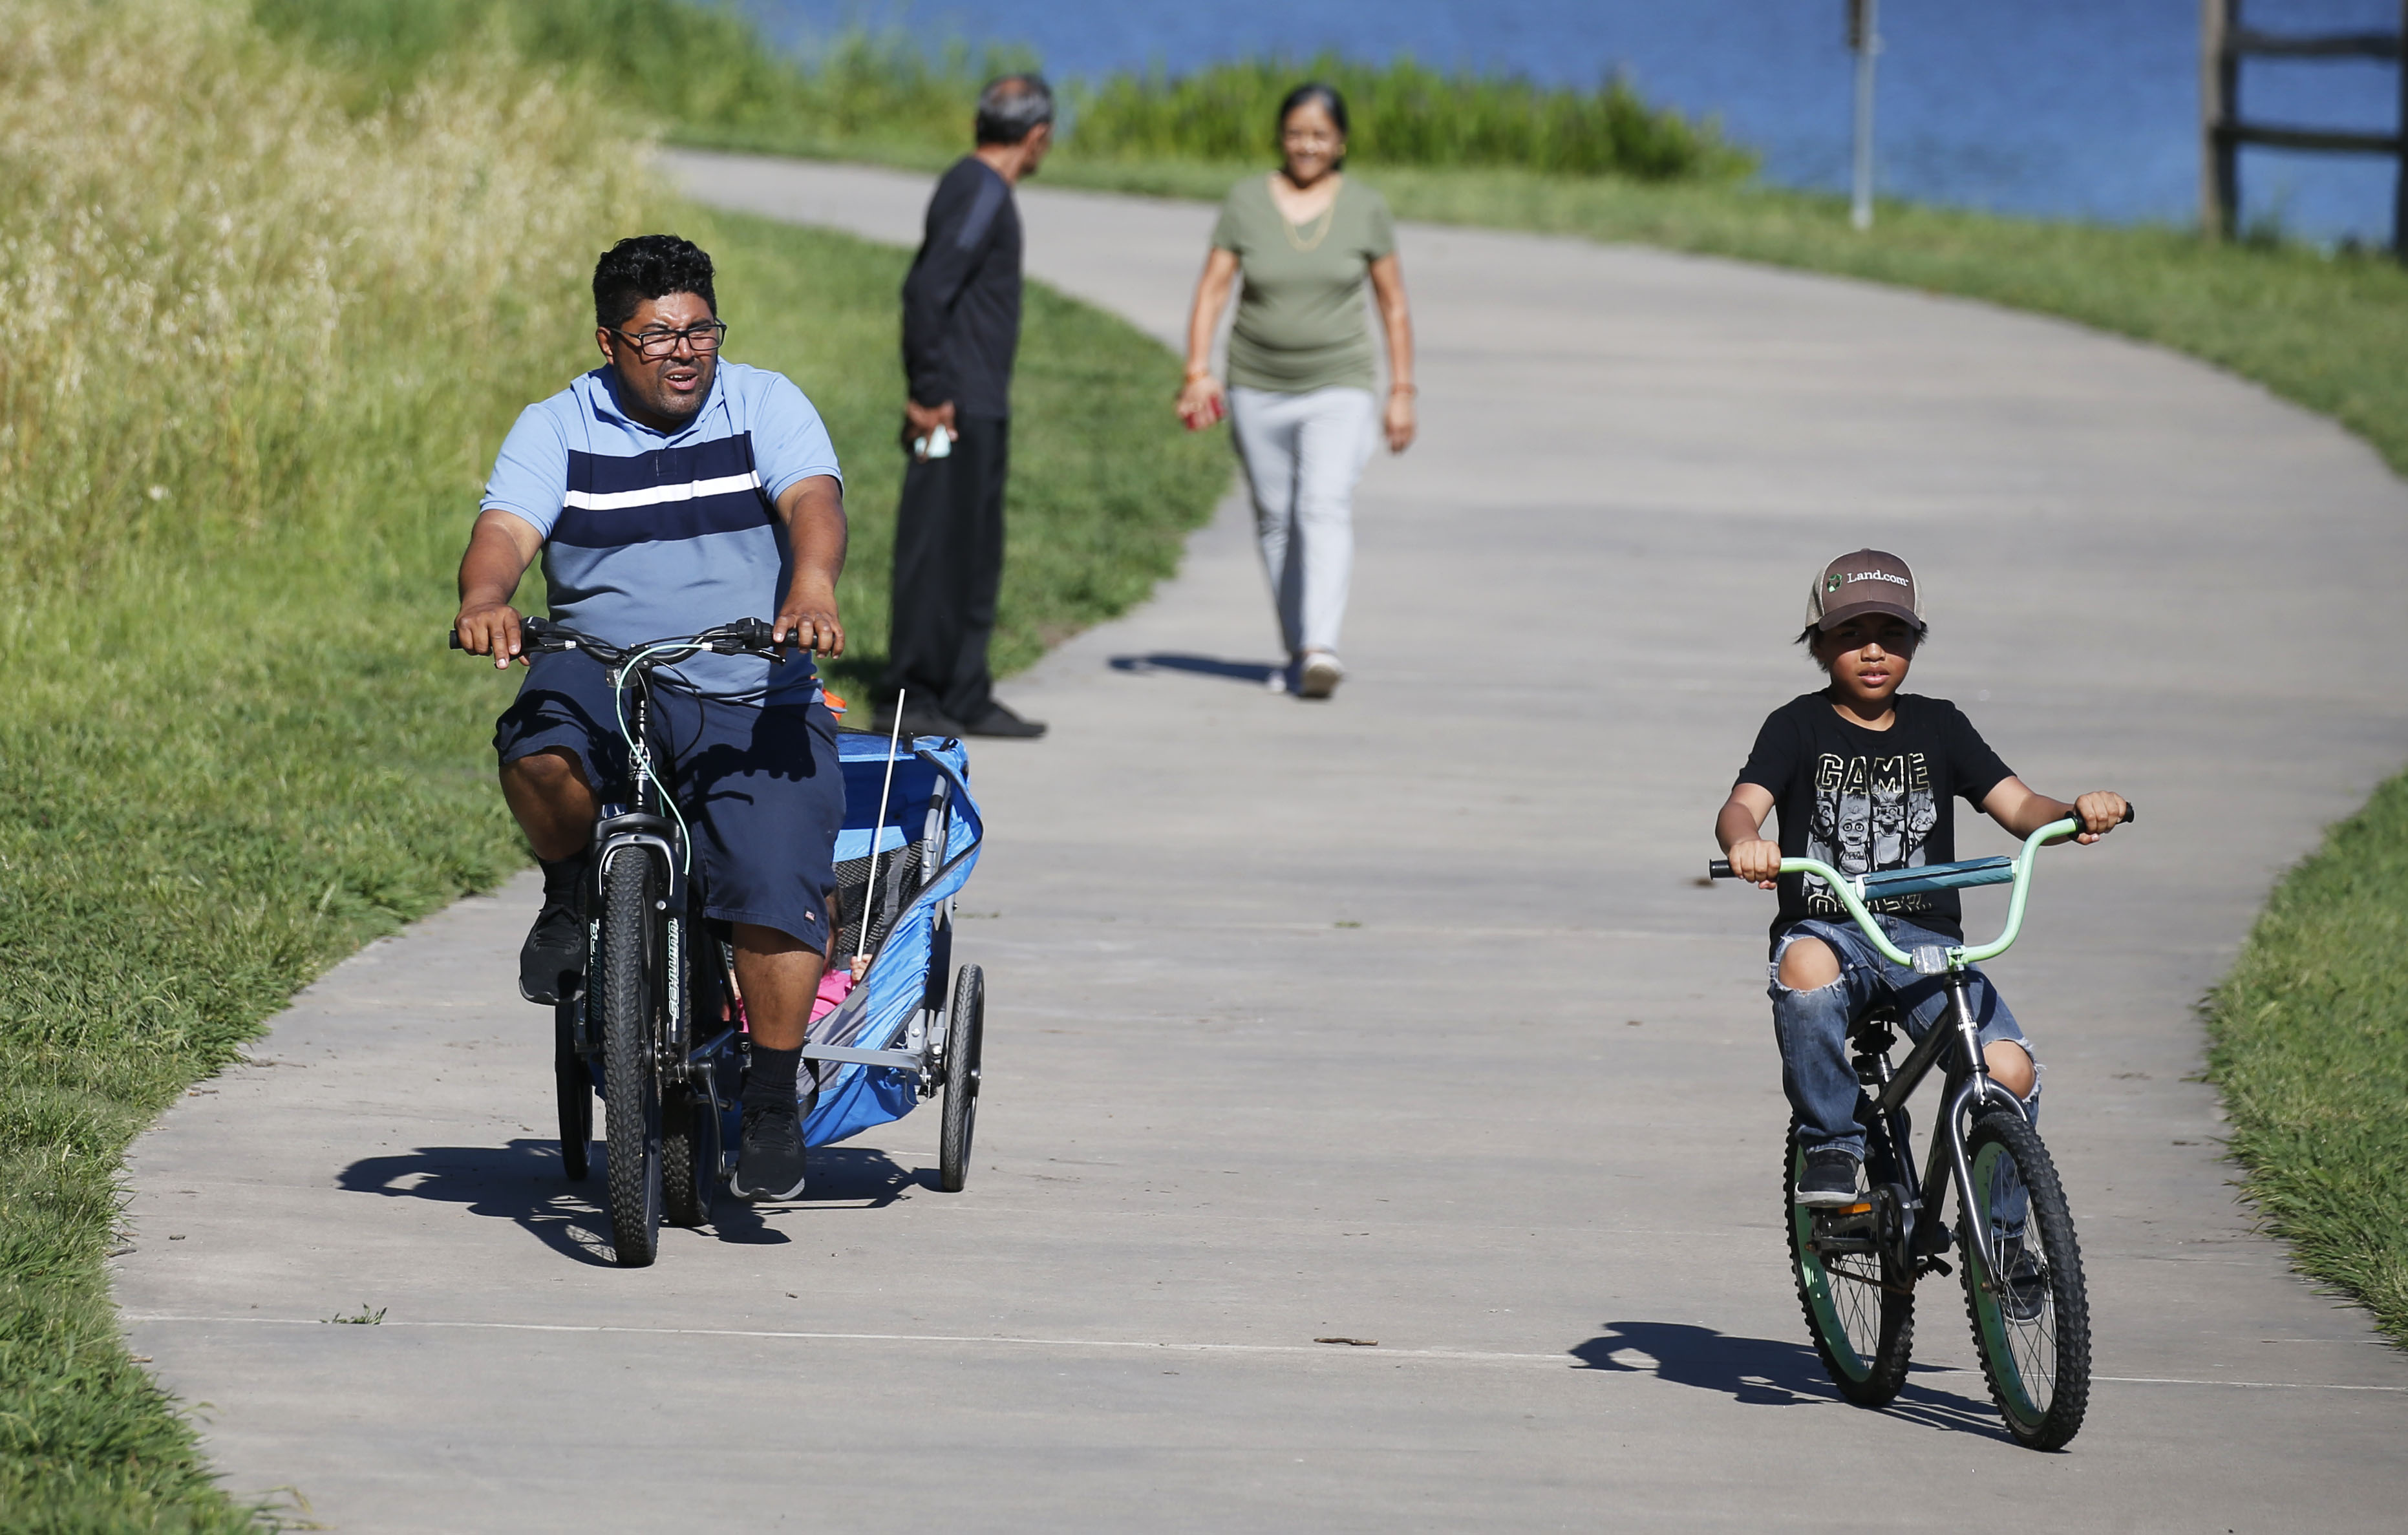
{"points": [[962, 1043]]}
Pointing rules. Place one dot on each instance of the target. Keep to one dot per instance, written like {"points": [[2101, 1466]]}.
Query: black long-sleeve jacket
{"points": [[961, 300]]}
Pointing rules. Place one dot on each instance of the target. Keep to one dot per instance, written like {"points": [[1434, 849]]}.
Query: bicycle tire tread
{"points": [[1893, 1351], [2069, 1402], [625, 1066]]}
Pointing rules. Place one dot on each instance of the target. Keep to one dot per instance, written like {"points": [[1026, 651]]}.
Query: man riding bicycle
{"points": [[668, 492]]}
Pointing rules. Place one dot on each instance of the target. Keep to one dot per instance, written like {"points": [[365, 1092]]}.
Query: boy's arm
{"points": [[2016, 807], [1740, 829]]}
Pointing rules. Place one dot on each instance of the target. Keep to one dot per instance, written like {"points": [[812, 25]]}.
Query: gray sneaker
{"points": [[1829, 1180]]}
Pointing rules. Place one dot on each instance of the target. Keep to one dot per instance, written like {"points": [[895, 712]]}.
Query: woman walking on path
{"points": [[1300, 395]]}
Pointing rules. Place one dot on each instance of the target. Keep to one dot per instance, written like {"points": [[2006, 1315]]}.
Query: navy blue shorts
{"points": [[760, 787]]}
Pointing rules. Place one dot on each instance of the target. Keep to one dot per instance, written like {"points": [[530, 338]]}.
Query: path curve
{"points": [[1404, 1018]]}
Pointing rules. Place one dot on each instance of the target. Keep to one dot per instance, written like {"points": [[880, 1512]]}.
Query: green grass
{"points": [[2310, 1046], [703, 72], [239, 452]]}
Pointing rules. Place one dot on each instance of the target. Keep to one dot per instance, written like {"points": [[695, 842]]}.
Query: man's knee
{"points": [[548, 773], [1808, 965]]}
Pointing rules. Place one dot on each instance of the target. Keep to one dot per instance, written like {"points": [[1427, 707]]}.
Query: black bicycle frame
{"points": [[644, 831], [1968, 1087]]}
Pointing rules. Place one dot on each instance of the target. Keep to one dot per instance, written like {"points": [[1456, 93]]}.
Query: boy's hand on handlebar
{"points": [[1757, 861], [490, 628], [2099, 813], [810, 617]]}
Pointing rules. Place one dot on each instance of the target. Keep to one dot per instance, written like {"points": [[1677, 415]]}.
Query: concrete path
{"points": [[1405, 1018]]}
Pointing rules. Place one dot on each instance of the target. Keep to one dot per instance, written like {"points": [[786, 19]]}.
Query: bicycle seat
{"points": [[1876, 1026]]}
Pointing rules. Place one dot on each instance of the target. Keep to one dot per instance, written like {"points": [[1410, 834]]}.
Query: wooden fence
{"points": [[2225, 40]]}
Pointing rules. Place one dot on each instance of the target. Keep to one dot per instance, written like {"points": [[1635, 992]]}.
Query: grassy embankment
{"points": [[2311, 1031], [268, 320]]}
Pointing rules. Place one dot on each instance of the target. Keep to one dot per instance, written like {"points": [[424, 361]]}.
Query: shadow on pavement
{"points": [[521, 1182], [1763, 1372], [1259, 673], [839, 1174]]}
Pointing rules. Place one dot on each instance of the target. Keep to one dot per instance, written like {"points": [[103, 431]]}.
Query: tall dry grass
{"points": [[207, 256], [258, 333]]}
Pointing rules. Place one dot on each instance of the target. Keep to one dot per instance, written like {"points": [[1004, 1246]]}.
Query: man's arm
{"points": [[813, 512], [500, 547], [1740, 829], [2016, 807], [961, 216]]}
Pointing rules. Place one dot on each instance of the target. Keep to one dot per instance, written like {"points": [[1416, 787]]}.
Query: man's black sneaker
{"points": [[769, 1161], [920, 721], [553, 956], [2023, 1294], [1829, 1179], [999, 720]]}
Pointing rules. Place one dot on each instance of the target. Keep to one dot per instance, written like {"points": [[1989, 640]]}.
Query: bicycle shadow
{"points": [[1766, 1372], [520, 1182], [523, 1182], [1259, 673]]}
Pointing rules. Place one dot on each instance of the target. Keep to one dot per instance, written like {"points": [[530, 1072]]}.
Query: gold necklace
{"points": [[1328, 218]]}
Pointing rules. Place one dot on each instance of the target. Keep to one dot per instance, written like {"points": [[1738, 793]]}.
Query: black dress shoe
{"points": [[999, 720], [918, 721]]}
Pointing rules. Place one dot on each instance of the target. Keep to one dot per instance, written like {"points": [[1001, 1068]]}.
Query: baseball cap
{"points": [[1871, 580]]}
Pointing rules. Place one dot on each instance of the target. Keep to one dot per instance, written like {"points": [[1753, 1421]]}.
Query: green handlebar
{"points": [[1960, 956]]}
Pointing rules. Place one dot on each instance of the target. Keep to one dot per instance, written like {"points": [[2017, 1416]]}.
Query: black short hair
{"points": [[1331, 102], [1012, 106], [646, 266]]}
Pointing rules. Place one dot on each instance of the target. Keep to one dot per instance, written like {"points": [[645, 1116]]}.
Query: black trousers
{"points": [[948, 569]]}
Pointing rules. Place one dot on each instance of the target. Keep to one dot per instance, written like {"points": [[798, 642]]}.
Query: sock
{"points": [[769, 1083], [562, 877]]}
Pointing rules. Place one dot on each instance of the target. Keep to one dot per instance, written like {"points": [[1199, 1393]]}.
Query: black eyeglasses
{"points": [[653, 345]]}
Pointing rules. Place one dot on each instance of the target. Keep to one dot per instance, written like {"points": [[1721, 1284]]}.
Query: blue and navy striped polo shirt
{"points": [[649, 536]]}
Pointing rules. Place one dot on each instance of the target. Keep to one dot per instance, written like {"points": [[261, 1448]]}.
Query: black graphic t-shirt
{"points": [[1862, 800]]}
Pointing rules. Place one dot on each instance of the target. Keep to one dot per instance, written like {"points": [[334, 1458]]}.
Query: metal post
{"points": [[2219, 91], [1864, 38]]}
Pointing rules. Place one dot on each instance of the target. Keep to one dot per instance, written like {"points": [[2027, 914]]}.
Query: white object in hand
{"points": [[938, 443]]}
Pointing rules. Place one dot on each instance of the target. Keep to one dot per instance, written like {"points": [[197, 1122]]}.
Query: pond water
{"points": [[2080, 108]]}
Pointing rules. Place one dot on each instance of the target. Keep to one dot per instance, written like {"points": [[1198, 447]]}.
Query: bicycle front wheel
{"points": [[1860, 1314], [2030, 1313], [631, 1086]]}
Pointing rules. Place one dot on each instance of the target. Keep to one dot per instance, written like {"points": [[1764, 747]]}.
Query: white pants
{"points": [[1302, 455]]}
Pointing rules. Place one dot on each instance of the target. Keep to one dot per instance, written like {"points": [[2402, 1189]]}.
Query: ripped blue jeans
{"points": [[1812, 1026]]}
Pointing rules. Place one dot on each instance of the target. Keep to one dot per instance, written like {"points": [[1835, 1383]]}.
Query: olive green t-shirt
{"points": [[1300, 323]]}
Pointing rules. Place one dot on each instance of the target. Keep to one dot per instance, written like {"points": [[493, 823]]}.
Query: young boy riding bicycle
{"points": [[1865, 777]]}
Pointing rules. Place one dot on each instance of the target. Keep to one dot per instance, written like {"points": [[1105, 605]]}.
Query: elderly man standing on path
{"points": [[961, 325]]}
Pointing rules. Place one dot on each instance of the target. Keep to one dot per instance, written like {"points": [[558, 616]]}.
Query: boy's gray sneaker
{"points": [[1829, 1179], [769, 1159], [2023, 1289]]}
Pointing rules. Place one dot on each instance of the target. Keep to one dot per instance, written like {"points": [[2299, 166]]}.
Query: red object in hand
{"points": [[1201, 419]]}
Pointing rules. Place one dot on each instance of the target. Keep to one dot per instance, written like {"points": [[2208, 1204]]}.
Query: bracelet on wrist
{"points": [[1402, 389]]}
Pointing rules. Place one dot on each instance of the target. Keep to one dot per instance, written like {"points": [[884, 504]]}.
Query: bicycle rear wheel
{"points": [[690, 1159], [1859, 1313], [631, 1088], [965, 1034], [2031, 1325]]}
